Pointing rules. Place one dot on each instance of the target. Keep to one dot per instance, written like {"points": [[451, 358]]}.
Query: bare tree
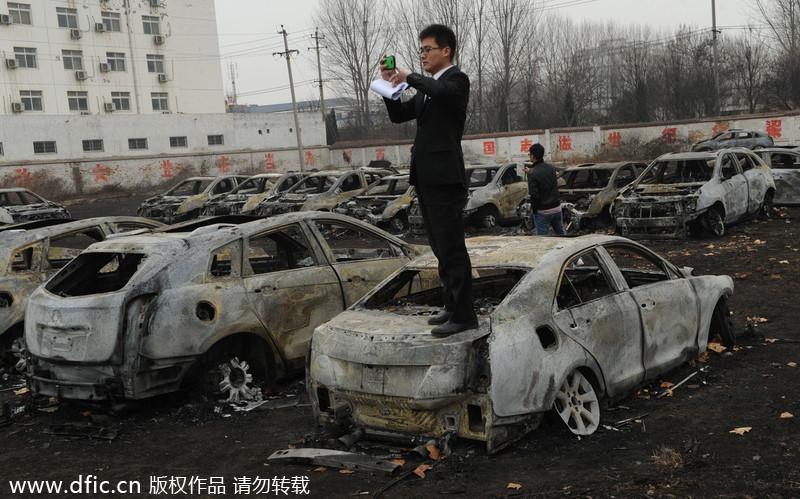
{"points": [[783, 19], [748, 65]]}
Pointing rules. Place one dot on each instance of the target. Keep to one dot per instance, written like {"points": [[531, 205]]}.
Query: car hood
{"points": [[662, 190]]}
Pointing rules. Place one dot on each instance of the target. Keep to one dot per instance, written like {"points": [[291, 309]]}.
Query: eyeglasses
{"points": [[426, 50]]}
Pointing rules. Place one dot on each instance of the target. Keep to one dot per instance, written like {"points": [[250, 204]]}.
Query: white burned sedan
{"points": [[564, 324], [216, 307]]}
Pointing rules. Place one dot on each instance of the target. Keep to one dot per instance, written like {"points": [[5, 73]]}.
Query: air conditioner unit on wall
{"points": [[159, 39], [153, 3], [110, 106], [81, 75], [17, 107], [12, 63], [99, 27], [75, 34], [163, 78], [104, 67], [5, 19]]}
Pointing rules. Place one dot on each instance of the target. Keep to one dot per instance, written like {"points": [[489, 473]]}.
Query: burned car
{"points": [[588, 190], [785, 167], [750, 139], [214, 309], [245, 197], [21, 205], [384, 203], [185, 200], [693, 193], [565, 325], [496, 201], [321, 191], [33, 251]]}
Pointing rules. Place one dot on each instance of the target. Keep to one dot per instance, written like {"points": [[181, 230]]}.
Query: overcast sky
{"points": [[249, 35]]}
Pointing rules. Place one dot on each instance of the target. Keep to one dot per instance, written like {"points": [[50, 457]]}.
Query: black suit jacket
{"points": [[436, 158]]}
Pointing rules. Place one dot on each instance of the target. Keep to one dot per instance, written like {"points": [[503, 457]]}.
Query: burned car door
{"points": [[290, 287], [755, 179], [513, 189], [734, 187], [61, 249], [361, 259], [666, 302], [605, 321], [785, 166]]}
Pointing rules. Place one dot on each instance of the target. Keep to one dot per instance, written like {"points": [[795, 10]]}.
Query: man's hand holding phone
{"points": [[390, 72]]}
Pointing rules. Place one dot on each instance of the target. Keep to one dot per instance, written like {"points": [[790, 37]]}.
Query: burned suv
{"points": [[247, 195], [498, 199], [751, 139], [695, 192], [213, 308], [21, 205], [185, 200]]}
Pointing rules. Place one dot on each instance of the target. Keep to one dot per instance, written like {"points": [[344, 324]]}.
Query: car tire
{"points": [[577, 405], [488, 217], [766, 209], [229, 374], [714, 222], [721, 324]]}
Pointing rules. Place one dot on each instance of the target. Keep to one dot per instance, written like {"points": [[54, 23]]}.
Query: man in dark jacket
{"points": [[543, 190], [437, 167]]}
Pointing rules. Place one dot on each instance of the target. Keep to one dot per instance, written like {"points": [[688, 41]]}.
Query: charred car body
{"points": [[498, 197], [785, 167], [588, 190], [152, 313], [750, 139], [21, 205], [384, 203], [564, 324], [321, 191], [694, 192], [31, 252], [185, 200], [245, 197]]}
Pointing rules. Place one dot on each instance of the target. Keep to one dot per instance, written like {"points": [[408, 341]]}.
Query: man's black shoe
{"points": [[449, 328], [440, 318]]}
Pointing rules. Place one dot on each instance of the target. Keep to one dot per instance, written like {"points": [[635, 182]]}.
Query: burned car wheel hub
{"points": [[577, 405], [232, 379]]}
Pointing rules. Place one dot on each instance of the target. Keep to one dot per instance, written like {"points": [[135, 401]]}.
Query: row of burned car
{"points": [[125, 307], [676, 195]]}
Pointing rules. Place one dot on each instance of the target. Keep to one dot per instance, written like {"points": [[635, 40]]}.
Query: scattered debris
{"points": [[787, 415], [87, 431], [669, 391], [742, 430], [334, 459], [421, 469], [267, 404]]}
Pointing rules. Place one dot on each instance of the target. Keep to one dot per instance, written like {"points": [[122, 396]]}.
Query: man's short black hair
{"points": [[443, 35], [537, 150]]}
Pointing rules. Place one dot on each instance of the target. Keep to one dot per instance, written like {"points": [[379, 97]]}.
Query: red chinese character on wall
{"points": [[525, 145], [22, 177], [774, 128], [347, 156], [380, 154], [223, 164], [269, 161], [101, 173], [564, 143], [720, 127], [166, 167], [615, 139], [669, 135], [309, 158], [488, 148]]}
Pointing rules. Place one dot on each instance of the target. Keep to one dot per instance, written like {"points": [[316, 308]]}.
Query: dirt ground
{"points": [[727, 432]]}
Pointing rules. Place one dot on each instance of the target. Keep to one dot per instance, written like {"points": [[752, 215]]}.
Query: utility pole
{"points": [[317, 37], [232, 71], [288, 54], [714, 44]]}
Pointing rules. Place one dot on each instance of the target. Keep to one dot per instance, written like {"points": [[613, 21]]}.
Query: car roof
{"points": [[701, 154], [15, 189], [14, 236], [794, 150], [602, 166]]}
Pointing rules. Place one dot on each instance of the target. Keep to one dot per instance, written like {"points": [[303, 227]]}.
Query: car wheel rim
{"points": [[577, 405], [19, 351], [234, 380], [716, 223]]}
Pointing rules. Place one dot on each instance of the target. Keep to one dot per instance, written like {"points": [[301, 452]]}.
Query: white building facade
{"points": [[121, 57]]}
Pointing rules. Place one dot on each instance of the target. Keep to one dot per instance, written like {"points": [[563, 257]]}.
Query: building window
{"points": [[160, 101], [93, 145], [78, 101], [44, 147], [26, 57], [111, 21], [31, 99], [73, 59], [215, 140], [174, 142], [20, 13], [121, 100], [152, 25], [137, 143], [2, 153], [155, 63], [116, 61], [67, 18]]}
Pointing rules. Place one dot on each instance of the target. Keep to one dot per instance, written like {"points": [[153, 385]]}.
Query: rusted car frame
{"points": [[587, 192], [32, 252], [246, 196], [384, 203], [497, 201], [186, 199], [21, 205], [785, 167], [564, 326], [214, 308], [695, 192]]}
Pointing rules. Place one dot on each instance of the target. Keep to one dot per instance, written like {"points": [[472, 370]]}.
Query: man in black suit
{"points": [[437, 168]]}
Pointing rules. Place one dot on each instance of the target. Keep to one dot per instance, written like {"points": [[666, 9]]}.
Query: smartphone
{"points": [[388, 61]]}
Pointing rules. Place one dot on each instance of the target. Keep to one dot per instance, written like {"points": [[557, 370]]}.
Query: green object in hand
{"points": [[389, 62]]}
